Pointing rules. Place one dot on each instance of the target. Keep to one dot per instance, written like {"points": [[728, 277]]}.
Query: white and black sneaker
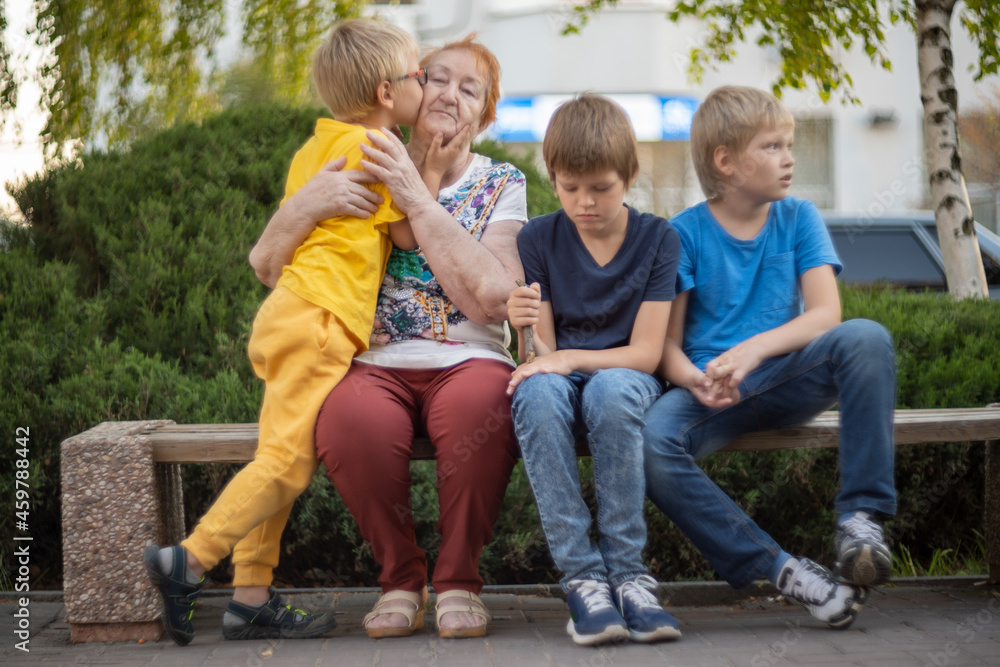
{"points": [[813, 586], [863, 558]]}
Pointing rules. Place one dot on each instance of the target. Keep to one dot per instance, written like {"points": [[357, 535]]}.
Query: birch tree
{"points": [[963, 262], [807, 34]]}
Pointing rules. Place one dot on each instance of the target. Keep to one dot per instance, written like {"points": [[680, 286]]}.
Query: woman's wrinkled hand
{"points": [[333, 192], [389, 162]]}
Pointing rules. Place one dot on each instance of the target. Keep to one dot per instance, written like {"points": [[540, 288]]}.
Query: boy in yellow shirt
{"points": [[305, 334]]}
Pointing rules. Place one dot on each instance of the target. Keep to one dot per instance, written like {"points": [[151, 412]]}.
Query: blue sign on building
{"points": [[655, 118]]}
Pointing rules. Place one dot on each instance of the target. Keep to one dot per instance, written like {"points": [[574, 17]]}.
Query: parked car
{"points": [[902, 250]]}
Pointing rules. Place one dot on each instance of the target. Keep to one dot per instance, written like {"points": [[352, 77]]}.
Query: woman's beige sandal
{"points": [[414, 613], [462, 602]]}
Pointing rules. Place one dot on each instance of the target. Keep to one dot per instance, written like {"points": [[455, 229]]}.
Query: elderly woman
{"points": [[438, 363]]}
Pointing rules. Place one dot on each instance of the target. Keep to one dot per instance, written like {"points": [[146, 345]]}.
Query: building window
{"points": [[814, 161], [979, 134]]}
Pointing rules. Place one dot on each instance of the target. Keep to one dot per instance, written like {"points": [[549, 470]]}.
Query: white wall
{"points": [[636, 49], [20, 151]]}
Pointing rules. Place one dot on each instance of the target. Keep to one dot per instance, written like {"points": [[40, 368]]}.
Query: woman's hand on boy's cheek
{"points": [[559, 362]]}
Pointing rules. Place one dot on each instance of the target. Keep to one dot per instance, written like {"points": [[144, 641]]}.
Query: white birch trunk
{"points": [[949, 199]]}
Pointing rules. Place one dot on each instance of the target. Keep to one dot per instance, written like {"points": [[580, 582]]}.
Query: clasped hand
{"points": [[718, 386], [390, 162]]}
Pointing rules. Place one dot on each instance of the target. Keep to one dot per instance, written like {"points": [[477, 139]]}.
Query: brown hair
{"points": [[590, 133], [357, 56], [730, 116]]}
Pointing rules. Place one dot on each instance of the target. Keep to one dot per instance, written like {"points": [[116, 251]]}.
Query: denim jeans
{"points": [[853, 364], [550, 411]]}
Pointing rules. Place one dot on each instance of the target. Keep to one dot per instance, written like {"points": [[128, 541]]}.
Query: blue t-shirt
{"points": [[742, 288], [594, 307]]}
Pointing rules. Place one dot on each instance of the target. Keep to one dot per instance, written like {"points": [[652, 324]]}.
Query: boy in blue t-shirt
{"points": [[602, 280], [755, 342]]}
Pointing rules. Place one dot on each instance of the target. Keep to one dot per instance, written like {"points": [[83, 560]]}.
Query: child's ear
{"points": [[724, 161], [383, 94]]}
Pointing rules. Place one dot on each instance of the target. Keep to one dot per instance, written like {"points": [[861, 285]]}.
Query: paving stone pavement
{"points": [[937, 623]]}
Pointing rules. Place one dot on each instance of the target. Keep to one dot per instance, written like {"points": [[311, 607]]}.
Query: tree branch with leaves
{"points": [[115, 70], [807, 35]]}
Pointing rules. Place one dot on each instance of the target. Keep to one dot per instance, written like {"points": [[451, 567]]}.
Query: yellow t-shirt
{"points": [[341, 264]]}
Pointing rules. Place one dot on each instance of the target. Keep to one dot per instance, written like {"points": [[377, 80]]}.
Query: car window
{"points": [[990, 252], [893, 254]]}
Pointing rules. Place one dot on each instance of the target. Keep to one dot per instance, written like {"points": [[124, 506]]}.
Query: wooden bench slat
{"points": [[235, 443]]}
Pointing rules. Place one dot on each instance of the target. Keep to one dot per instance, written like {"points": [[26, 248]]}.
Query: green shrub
{"points": [[129, 297]]}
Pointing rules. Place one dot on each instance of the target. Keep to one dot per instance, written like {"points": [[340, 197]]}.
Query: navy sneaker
{"points": [[647, 620], [273, 619], [593, 618], [178, 593], [813, 586], [863, 558]]}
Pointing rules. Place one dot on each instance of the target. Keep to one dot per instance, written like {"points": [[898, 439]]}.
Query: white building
{"points": [[865, 158], [855, 159]]}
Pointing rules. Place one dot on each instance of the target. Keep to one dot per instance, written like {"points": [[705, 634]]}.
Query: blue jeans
{"points": [[853, 364], [550, 411]]}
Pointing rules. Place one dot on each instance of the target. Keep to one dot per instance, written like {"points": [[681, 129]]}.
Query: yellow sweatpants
{"points": [[301, 351]]}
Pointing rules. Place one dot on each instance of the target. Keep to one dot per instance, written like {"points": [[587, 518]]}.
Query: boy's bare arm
{"points": [[642, 353], [329, 193], [821, 312], [402, 234], [675, 366], [477, 275], [678, 369]]}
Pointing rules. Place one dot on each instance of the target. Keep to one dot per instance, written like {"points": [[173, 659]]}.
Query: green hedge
{"points": [[948, 355], [129, 297]]}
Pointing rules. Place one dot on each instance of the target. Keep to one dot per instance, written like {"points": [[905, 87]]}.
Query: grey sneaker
{"points": [[273, 619], [863, 558], [812, 586]]}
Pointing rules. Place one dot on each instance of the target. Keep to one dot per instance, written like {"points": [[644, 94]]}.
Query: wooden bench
{"points": [[121, 491]]}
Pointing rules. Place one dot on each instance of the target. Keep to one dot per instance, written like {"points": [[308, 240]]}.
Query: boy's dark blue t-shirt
{"points": [[594, 307]]}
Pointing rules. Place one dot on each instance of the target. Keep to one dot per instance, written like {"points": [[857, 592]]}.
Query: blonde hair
{"points": [[489, 69], [357, 56], [730, 116], [587, 134]]}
